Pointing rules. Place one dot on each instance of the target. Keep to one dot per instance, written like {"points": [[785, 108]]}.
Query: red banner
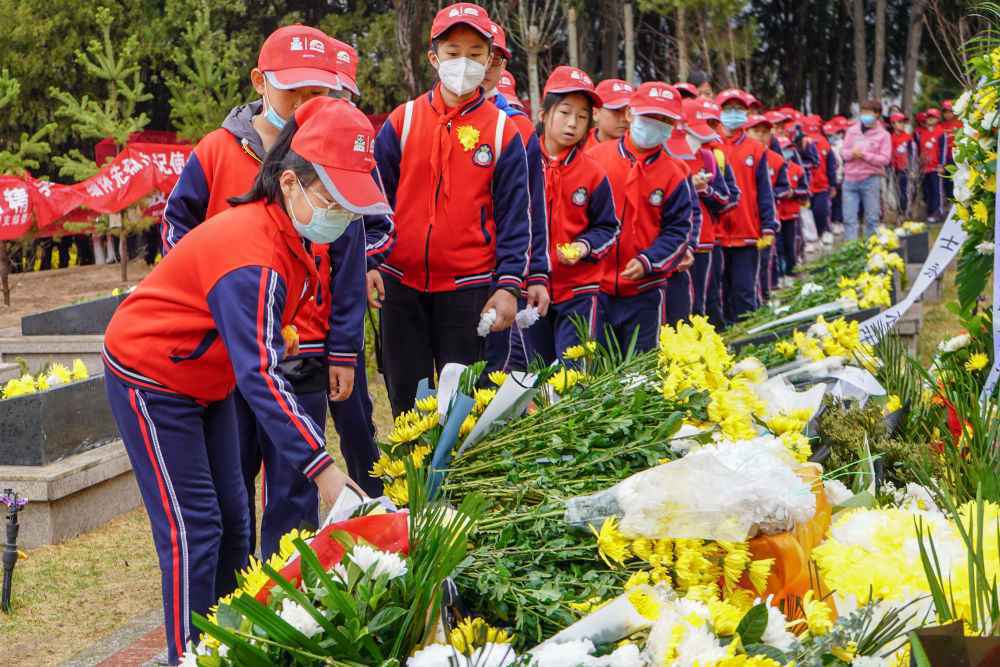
{"points": [[136, 172]]}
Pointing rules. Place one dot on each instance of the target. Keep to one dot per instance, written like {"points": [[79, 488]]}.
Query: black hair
{"points": [[697, 77], [437, 40], [281, 157], [552, 100]]}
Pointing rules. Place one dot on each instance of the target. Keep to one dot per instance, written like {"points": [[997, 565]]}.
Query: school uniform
{"points": [[777, 170], [714, 297], [580, 208], [932, 151], [822, 178], [744, 224], [208, 319], [903, 153], [506, 350], [788, 214], [463, 230], [654, 204], [225, 164], [949, 127]]}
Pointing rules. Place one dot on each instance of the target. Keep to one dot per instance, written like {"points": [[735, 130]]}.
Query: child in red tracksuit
{"points": [[933, 152], [903, 155], [224, 164], [610, 123], [456, 171], [655, 204], [950, 124], [789, 207], [760, 129], [753, 217], [209, 319], [581, 213]]}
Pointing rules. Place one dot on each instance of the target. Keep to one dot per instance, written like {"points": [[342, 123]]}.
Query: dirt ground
{"points": [[42, 290]]}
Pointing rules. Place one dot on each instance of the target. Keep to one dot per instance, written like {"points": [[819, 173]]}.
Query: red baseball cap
{"points": [[338, 140], [566, 79], [896, 117], [790, 112], [935, 113], [753, 102], [756, 119], [500, 39], [921, 116], [507, 86], [686, 89], [615, 93], [697, 113], [946, 105], [297, 56], [831, 128], [462, 13], [347, 65], [657, 98], [812, 123], [731, 94], [776, 117]]}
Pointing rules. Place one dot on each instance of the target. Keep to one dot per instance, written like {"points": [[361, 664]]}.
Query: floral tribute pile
{"points": [[56, 375]]}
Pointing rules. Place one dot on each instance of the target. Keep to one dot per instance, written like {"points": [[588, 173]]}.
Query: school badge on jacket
{"points": [[483, 156], [656, 197], [579, 197]]}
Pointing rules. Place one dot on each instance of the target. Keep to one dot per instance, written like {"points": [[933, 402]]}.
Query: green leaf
{"points": [[753, 624], [917, 651], [973, 275], [385, 618], [768, 651], [242, 653]]}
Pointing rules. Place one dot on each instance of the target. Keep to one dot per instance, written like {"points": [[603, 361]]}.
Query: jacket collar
{"points": [[629, 150], [437, 102], [298, 245]]}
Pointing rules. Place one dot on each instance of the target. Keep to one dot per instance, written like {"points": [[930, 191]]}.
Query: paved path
{"points": [[141, 643]]}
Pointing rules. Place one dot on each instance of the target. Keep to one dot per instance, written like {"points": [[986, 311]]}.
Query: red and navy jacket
{"points": [[798, 183], [540, 266], [225, 164], [654, 204], [732, 187], [778, 173], [204, 322], [933, 149], [458, 181], [712, 201], [753, 216], [950, 127], [903, 151], [824, 175], [581, 209]]}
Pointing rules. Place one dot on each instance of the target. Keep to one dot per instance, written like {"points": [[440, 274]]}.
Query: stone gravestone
{"points": [[87, 318]]}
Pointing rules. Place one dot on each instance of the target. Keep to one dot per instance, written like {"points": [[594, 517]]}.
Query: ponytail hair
{"points": [[280, 158], [551, 101]]}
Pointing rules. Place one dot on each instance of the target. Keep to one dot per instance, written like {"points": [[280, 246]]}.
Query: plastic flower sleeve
{"points": [[510, 402], [727, 492], [614, 621]]}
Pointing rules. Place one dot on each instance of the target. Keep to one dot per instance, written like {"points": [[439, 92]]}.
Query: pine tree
{"points": [[115, 116], [209, 78], [31, 148]]}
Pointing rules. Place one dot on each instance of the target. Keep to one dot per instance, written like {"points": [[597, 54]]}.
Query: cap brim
{"points": [[366, 198], [350, 84], [487, 34], [594, 97], [702, 131], [615, 104], [656, 111], [300, 77], [513, 99], [505, 52]]}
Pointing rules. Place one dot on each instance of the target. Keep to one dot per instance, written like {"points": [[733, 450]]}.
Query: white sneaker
{"points": [[827, 238], [838, 228]]}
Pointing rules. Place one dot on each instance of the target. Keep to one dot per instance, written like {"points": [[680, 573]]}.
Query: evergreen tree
{"points": [[31, 148]]}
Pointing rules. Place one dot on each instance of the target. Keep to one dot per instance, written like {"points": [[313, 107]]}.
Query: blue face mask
{"points": [[867, 119], [269, 113], [325, 225], [733, 119], [648, 133]]}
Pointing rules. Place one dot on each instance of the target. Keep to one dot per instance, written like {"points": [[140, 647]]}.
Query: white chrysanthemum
{"points": [[810, 288], [984, 248], [876, 263], [493, 655], [961, 103], [437, 655], [568, 654], [296, 616], [962, 191], [818, 330], [868, 661], [989, 119], [954, 343], [987, 143], [624, 656], [527, 317], [699, 647], [776, 633], [376, 562], [486, 321], [917, 497], [836, 492]]}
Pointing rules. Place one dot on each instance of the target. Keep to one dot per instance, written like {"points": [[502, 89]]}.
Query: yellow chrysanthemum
{"points": [[642, 548], [80, 371], [467, 425], [64, 375], [977, 362], [468, 136], [735, 562], [565, 379], [19, 387], [962, 212], [569, 250], [645, 604], [892, 404], [589, 605], [980, 212], [845, 653], [398, 493], [640, 578], [428, 403], [497, 377], [758, 573], [291, 336], [786, 349], [819, 618], [612, 546], [574, 352], [475, 632], [483, 398], [725, 617]]}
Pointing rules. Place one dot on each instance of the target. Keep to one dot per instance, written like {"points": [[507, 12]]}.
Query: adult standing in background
{"points": [[867, 150]]}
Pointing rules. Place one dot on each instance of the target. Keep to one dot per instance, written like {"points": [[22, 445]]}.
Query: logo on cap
{"points": [[656, 197], [467, 11], [300, 44], [344, 56], [506, 81], [483, 156], [363, 145], [579, 197], [656, 92]]}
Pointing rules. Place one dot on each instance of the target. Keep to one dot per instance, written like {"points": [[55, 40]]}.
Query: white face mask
{"points": [[461, 76], [693, 143]]}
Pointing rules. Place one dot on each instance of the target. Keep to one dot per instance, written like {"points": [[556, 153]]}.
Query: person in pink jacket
{"points": [[867, 150]]}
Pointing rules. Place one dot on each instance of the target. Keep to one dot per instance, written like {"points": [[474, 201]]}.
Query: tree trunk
{"points": [[571, 37], [878, 65], [706, 53], [913, 37], [681, 35], [4, 273], [534, 89], [860, 49], [609, 39], [732, 71], [410, 17], [629, 22], [123, 251]]}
